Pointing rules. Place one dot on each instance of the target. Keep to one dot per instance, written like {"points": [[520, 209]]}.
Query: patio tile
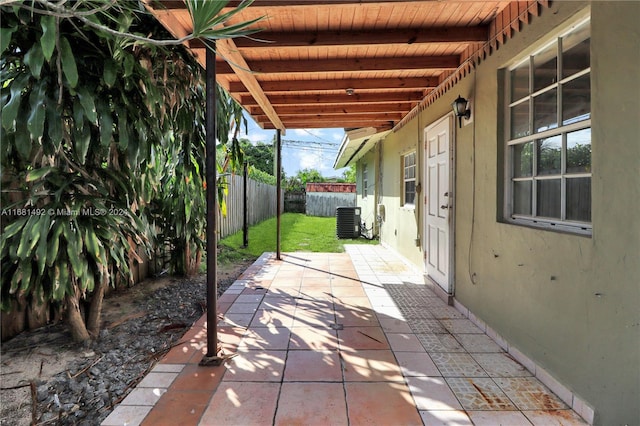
{"points": [[404, 342], [439, 342], [313, 318], [313, 366], [554, 418], [393, 325], [351, 291], [243, 403], [126, 415], [178, 407], [255, 366], [274, 338], [445, 418], [477, 343], [197, 378], [432, 326], [529, 394], [479, 394], [143, 396], [313, 338], [445, 312], [249, 298], [456, 326], [370, 366], [351, 303], [500, 365], [242, 308], [457, 365], [383, 404], [157, 380], [498, 418], [415, 312], [362, 338], [357, 318], [416, 364], [236, 320], [432, 393], [311, 404], [273, 318]]}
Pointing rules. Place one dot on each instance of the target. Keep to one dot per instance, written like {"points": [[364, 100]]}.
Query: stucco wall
{"points": [[368, 203], [570, 303]]}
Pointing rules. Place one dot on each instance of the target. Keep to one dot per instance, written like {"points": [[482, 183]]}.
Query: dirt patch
{"points": [[48, 379]]}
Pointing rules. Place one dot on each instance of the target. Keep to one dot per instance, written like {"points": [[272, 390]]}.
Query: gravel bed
{"points": [[100, 374]]}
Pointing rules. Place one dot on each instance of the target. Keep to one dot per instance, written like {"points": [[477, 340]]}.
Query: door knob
{"points": [[444, 207]]}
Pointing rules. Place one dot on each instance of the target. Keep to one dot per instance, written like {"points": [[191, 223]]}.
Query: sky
{"points": [[303, 148]]}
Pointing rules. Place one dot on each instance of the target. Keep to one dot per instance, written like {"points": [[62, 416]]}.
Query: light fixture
{"points": [[350, 91], [461, 109]]}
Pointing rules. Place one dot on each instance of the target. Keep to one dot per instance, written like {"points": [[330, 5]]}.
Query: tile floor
{"points": [[340, 339]]}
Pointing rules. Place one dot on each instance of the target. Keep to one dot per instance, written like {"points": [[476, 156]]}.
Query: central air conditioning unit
{"points": [[348, 222]]}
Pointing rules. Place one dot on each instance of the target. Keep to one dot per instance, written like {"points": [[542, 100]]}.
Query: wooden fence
{"points": [[261, 204]]}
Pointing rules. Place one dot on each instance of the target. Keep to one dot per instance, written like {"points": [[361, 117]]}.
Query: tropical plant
{"points": [[93, 112]]}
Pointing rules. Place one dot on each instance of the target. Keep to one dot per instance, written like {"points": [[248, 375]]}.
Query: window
{"points": [[409, 179], [365, 181], [548, 150]]}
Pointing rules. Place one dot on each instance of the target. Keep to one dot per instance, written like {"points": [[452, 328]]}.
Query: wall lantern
{"points": [[461, 109]]}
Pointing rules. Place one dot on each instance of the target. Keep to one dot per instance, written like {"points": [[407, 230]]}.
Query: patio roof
{"points": [[348, 63]]}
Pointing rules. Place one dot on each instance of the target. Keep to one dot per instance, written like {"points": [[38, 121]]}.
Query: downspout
{"points": [[211, 357]]}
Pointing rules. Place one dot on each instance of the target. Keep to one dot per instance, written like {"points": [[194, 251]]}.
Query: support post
{"points": [[278, 189], [245, 206], [211, 357]]}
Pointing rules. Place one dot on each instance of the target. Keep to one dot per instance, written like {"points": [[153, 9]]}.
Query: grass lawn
{"points": [[298, 232]]}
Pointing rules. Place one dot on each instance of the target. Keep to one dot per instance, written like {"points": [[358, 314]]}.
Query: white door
{"points": [[438, 203]]}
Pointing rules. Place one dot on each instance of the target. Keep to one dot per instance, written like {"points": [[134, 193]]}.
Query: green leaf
{"points": [[54, 243], [74, 251], [34, 60], [23, 139], [49, 34], [29, 238], [69, 67], [38, 173], [10, 110], [35, 122], [106, 126], [87, 102], [82, 142], [129, 62], [5, 37], [41, 251], [54, 124], [12, 229], [92, 243], [109, 73]]}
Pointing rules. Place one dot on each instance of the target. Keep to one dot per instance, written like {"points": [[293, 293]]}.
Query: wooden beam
{"points": [[179, 4], [342, 99], [333, 109], [270, 40], [375, 116], [341, 84], [356, 64], [350, 124], [227, 50]]}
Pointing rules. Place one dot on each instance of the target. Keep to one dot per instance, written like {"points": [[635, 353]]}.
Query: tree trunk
{"points": [[95, 308], [74, 318]]}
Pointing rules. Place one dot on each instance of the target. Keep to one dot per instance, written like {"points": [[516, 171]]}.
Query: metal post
{"points": [[245, 206], [211, 358], [278, 189]]}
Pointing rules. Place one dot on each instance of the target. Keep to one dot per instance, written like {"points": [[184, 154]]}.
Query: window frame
{"points": [[559, 130], [406, 179]]}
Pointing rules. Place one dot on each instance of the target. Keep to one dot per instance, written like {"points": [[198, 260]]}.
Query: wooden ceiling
{"points": [[340, 63]]}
